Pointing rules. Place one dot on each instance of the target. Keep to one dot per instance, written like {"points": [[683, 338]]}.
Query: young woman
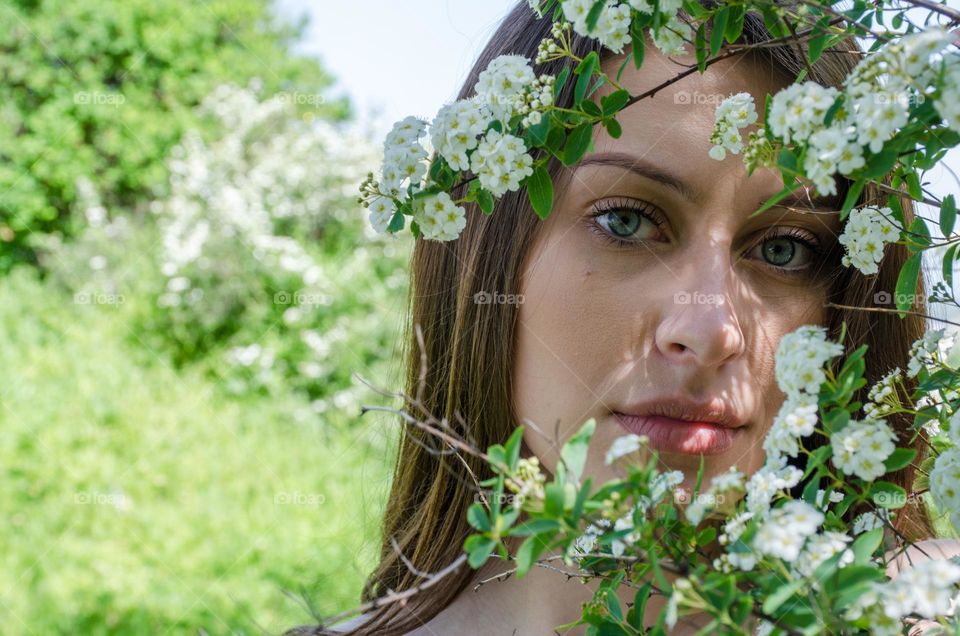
{"points": [[648, 289]]}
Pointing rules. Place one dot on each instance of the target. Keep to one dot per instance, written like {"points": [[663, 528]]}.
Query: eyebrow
{"points": [[644, 168]]}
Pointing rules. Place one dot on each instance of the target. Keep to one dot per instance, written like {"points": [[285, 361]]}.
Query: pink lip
{"points": [[672, 435]]}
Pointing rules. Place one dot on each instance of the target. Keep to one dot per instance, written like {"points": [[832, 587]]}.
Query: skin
{"points": [[599, 327]]}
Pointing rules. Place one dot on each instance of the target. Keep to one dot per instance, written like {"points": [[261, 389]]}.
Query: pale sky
{"points": [[408, 57]]}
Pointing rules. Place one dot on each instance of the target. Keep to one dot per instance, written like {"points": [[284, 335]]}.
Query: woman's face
{"points": [[652, 284]]}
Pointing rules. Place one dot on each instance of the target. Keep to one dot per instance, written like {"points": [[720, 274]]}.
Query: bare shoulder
{"points": [[921, 551]]}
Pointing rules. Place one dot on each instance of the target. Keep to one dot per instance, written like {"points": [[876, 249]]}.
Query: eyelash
{"points": [[645, 209]]}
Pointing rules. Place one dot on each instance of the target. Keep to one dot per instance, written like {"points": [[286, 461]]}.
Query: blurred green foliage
{"points": [[105, 88], [140, 500]]}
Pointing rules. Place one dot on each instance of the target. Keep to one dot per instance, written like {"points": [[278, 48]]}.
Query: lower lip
{"points": [[680, 436]]}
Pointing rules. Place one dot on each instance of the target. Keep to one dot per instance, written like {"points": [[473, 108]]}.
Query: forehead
{"points": [[678, 118]]}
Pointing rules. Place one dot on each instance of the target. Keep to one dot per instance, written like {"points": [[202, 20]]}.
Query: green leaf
{"points": [[590, 108], [480, 554], [900, 458], [613, 102], [913, 186], [734, 23], [540, 191], [594, 14], [716, 33], [477, 517], [485, 201], [780, 596], [574, 452], [396, 222], [531, 548], [853, 195], [880, 164], [536, 526], [577, 143], [554, 498], [700, 46], [561, 80], [585, 72], [907, 282], [887, 494], [512, 447], [948, 215], [948, 264], [613, 128], [866, 544], [639, 48]]}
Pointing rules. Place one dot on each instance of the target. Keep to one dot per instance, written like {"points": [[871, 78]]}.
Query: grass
{"points": [[143, 500]]}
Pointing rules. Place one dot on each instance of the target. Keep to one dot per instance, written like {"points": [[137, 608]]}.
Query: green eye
{"points": [[779, 251], [623, 223]]}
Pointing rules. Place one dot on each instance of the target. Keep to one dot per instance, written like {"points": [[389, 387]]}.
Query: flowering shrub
{"points": [[249, 266], [786, 564]]}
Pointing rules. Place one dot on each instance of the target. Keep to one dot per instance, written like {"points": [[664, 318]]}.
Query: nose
{"points": [[699, 322]]}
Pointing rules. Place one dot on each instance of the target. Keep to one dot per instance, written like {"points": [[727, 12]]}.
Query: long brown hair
{"points": [[470, 346]]}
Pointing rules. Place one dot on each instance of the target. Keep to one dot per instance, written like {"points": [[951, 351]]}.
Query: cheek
{"points": [[567, 344]]}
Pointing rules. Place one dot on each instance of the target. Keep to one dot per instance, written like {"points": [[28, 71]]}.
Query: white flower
{"points": [[861, 447], [923, 351], [501, 162], [821, 547], [733, 113], [800, 358], [948, 103], [613, 24], [625, 445], [619, 546], [871, 520], [502, 83], [673, 36], [835, 497], [945, 483], [926, 588], [864, 234], [381, 211], [454, 130], [767, 482], [438, 217], [784, 532], [796, 418], [403, 156], [798, 110]]}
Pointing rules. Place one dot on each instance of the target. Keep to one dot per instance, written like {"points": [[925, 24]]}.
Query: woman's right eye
{"points": [[626, 224]]}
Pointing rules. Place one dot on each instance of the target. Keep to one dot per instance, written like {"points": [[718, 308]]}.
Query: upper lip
{"points": [[715, 411]]}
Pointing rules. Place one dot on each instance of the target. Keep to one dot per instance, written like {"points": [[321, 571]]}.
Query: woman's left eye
{"points": [[792, 251]]}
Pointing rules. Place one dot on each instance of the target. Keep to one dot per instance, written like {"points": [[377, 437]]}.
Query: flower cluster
{"points": [[861, 447], [925, 589], [501, 162], [536, 100], [735, 112], [502, 84], [528, 481], [865, 233], [786, 529], [883, 395], [800, 360], [613, 24], [438, 217]]}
